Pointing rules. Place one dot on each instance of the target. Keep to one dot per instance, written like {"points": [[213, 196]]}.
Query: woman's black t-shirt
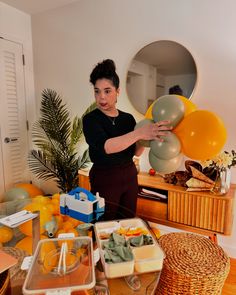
{"points": [[98, 127]]}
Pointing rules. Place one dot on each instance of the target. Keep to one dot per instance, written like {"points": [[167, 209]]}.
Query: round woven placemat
{"points": [[16, 273], [193, 265]]}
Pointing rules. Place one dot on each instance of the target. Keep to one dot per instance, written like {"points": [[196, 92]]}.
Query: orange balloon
{"points": [[202, 135], [48, 257], [67, 225], [54, 209], [45, 216], [26, 244], [188, 104], [56, 196], [59, 220], [74, 221], [31, 189], [6, 234]]}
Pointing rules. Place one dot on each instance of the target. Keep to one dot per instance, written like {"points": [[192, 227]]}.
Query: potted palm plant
{"points": [[56, 137]]}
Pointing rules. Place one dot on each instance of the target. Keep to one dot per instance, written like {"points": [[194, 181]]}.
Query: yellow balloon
{"points": [[188, 104], [148, 114], [41, 199], [45, 216], [202, 135]]}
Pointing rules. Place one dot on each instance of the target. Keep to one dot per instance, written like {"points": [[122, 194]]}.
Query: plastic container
{"points": [[148, 258], [115, 270], [64, 264]]}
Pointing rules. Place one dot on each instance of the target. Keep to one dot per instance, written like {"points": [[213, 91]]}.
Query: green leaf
{"points": [[56, 137]]}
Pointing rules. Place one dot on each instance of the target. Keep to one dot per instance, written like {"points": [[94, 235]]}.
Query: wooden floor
{"points": [[230, 283], [118, 287]]}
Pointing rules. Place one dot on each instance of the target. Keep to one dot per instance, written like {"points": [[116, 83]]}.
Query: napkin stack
{"points": [[199, 181]]}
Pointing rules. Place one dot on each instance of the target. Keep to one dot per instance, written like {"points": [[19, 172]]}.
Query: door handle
{"points": [[10, 139]]}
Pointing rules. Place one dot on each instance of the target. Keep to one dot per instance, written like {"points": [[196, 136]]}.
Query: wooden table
{"points": [[200, 212]]}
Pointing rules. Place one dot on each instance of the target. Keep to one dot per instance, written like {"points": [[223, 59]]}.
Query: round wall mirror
{"points": [[160, 68]]}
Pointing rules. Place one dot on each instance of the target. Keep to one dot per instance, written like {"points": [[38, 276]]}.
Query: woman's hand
{"points": [[147, 132], [154, 130]]}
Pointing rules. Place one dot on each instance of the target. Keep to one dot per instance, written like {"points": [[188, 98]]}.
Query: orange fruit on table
{"points": [[6, 234]]}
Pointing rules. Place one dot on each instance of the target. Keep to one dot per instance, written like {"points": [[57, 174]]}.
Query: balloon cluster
{"points": [[197, 134], [52, 223], [26, 196]]}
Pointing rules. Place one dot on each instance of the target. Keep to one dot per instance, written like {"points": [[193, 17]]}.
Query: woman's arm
{"points": [[146, 132], [138, 149]]}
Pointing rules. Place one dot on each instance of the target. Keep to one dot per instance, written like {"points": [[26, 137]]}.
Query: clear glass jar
{"points": [[222, 184]]}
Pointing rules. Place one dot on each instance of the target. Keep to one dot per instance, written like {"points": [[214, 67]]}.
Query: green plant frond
{"points": [[55, 118], [39, 165], [57, 136], [76, 133], [92, 107], [84, 159], [45, 142]]}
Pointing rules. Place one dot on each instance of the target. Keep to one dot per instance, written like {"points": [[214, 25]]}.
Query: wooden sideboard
{"points": [[200, 212]]}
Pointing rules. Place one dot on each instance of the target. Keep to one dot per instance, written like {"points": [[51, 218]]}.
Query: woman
{"points": [[113, 142]]}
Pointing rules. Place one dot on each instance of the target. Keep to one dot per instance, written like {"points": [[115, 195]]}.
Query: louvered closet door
{"points": [[14, 145]]}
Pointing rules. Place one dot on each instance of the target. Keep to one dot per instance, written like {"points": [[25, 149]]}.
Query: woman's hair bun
{"points": [[105, 69], [109, 64]]}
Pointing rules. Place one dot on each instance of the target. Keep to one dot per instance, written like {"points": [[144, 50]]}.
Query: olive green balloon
{"points": [[165, 166], [15, 193], [145, 143], [168, 107], [168, 148]]}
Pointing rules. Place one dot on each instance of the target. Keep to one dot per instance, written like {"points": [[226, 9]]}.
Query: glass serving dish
{"points": [[65, 264]]}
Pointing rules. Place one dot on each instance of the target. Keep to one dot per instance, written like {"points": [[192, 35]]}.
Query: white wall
{"points": [[142, 86], [69, 41]]}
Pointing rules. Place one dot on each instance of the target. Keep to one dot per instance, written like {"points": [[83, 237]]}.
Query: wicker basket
{"points": [[193, 265]]}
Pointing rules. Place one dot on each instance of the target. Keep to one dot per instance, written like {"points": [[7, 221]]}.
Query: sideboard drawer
{"points": [[147, 209]]}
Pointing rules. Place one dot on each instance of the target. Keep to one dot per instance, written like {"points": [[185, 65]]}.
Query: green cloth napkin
{"points": [[140, 241], [116, 249]]}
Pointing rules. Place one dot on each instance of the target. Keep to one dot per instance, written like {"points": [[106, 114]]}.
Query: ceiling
{"points": [[36, 6], [169, 57]]}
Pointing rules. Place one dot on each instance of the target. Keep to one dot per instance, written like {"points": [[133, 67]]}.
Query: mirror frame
{"points": [[151, 73]]}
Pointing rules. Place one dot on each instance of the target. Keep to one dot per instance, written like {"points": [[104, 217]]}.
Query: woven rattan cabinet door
{"points": [[201, 211]]}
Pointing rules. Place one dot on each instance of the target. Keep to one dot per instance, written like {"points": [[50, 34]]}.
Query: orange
{"points": [[6, 234]]}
